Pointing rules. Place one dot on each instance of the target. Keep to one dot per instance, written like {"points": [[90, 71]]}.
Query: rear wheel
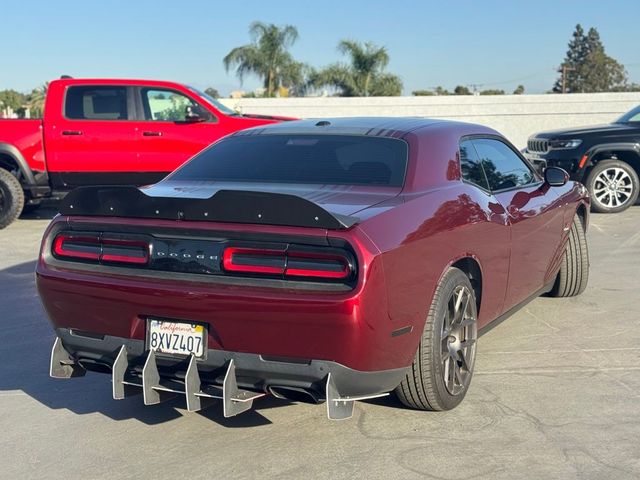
{"points": [[613, 186], [443, 366], [573, 276], [11, 198]]}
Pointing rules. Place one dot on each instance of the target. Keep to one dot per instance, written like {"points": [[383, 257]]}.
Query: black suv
{"points": [[605, 158]]}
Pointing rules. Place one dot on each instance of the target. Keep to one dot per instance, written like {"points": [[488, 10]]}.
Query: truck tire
{"points": [[613, 186], [11, 198], [573, 276], [443, 365]]}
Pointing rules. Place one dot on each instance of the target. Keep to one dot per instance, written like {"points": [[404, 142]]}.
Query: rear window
{"points": [[96, 103], [319, 159]]}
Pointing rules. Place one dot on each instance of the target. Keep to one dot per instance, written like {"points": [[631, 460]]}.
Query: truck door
{"points": [[172, 127], [93, 142]]}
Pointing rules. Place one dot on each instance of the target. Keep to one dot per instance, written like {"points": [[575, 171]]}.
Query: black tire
{"points": [[425, 387], [613, 186], [573, 276], [11, 198]]}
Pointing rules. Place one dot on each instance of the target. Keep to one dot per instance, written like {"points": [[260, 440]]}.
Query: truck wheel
{"points": [[442, 368], [11, 198], [574, 271], [613, 186]]}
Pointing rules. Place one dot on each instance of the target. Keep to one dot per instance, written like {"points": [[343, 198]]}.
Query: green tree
{"points": [[519, 90], [422, 93], [461, 90], [12, 99], [587, 68], [212, 92], [35, 100], [267, 56], [492, 92], [364, 76]]}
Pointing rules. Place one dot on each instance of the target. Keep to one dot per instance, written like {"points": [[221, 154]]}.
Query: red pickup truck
{"points": [[107, 132]]}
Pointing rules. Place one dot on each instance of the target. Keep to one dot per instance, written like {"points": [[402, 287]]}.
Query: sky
{"points": [[490, 43]]}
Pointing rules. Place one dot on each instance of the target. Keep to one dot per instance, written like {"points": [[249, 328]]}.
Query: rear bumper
{"points": [[254, 372]]}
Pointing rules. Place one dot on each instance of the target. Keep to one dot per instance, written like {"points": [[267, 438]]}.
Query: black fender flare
{"points": [[604, 147], [16, 156]]}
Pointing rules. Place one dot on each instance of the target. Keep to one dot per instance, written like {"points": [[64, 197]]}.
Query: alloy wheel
{"points": [[613, 187], [459, 336]]}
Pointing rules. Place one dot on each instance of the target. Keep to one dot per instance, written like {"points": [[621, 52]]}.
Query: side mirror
{"points": [[555, 176], [194, 115]]}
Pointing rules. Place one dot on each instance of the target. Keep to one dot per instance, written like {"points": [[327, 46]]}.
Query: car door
{"points": [[92, 142], [169, 135], [535, 219]]}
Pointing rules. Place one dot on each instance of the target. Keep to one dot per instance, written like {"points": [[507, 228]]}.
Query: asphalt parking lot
{"points": [[556, 395]]}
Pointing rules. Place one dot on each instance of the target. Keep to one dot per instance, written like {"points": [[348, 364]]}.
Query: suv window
{"points": [[310, 159], [166, 105], [502, 166], [471, 166], [90, 102]]}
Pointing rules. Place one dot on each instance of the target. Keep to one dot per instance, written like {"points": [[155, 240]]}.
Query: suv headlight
{"points": [[564, 144]]}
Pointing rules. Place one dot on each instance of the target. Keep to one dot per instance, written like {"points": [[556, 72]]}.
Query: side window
{"points": [[503, 167], [167, 105], [90, 102], [471, 166]]}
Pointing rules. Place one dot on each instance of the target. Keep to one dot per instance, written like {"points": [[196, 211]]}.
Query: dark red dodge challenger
{"points": [[332, 260]]}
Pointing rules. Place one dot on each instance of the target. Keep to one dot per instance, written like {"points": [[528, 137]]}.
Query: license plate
{"points": [[176, 338]]}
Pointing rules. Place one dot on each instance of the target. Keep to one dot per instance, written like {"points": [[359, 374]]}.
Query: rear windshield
{"points": [[319, 159]]}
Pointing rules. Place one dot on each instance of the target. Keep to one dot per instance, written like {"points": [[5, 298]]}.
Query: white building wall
{"points": [[515, 116]]}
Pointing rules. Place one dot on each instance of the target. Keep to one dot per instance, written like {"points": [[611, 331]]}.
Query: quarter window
{"points": [[471, 166], [502, 166], [92, 102]]}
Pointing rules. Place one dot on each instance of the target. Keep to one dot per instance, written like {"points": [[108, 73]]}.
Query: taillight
{"points": [[253, 260], [289, 263], [100, 249]]}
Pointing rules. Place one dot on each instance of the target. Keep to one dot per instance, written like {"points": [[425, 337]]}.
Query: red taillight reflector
{"points": [[253, 260], [93, 248]]}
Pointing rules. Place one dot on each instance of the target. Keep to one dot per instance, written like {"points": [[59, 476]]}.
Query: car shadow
{"points": [[25, 349]]}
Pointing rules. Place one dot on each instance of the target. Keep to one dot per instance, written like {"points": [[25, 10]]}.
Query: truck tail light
{"points": [[289, 263], [100, 250]]}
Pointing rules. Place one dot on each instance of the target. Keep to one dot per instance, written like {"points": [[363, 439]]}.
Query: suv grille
{"points": [[538, 145]]}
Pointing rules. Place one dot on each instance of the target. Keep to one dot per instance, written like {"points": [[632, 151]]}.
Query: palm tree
{"points": [[364, 76], [267, 56], [36, 98]]}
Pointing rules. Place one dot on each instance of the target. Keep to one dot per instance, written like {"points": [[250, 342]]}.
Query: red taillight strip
{"points": [[229, 252], [317, 272], [60, 249], [230, 265]]}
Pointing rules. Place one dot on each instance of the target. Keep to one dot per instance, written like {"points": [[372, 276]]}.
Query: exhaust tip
{"points": [[295, 394]]}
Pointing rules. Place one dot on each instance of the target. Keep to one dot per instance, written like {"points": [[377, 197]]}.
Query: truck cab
{"points": [[108, 132]]}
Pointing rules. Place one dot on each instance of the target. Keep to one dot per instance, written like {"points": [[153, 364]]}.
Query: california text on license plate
{"points": [[176, 338]]}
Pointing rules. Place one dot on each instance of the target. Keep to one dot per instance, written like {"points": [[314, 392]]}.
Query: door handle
{"points": [[71, 132], [151, 134]]}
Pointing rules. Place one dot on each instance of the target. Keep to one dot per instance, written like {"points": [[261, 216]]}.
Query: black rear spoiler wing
{"points": [[233, 206]]}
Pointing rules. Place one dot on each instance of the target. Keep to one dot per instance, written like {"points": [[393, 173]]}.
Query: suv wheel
{"points": [[613, 186], [11, 198], [442, 368]]}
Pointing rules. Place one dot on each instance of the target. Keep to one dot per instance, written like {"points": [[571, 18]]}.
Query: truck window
{"points": [[166, 105], [90, 102]]}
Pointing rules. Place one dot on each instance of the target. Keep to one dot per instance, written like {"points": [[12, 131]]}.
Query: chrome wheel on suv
{"points": [[613, 186]]}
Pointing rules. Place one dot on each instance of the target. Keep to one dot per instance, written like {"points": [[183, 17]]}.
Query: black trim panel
{"points": [[231, 206]]}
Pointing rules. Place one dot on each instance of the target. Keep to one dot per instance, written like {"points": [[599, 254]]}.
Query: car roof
{"points": [[369, 126]]}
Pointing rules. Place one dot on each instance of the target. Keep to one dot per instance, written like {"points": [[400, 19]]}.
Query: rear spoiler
{"points": [[233, 206]]}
